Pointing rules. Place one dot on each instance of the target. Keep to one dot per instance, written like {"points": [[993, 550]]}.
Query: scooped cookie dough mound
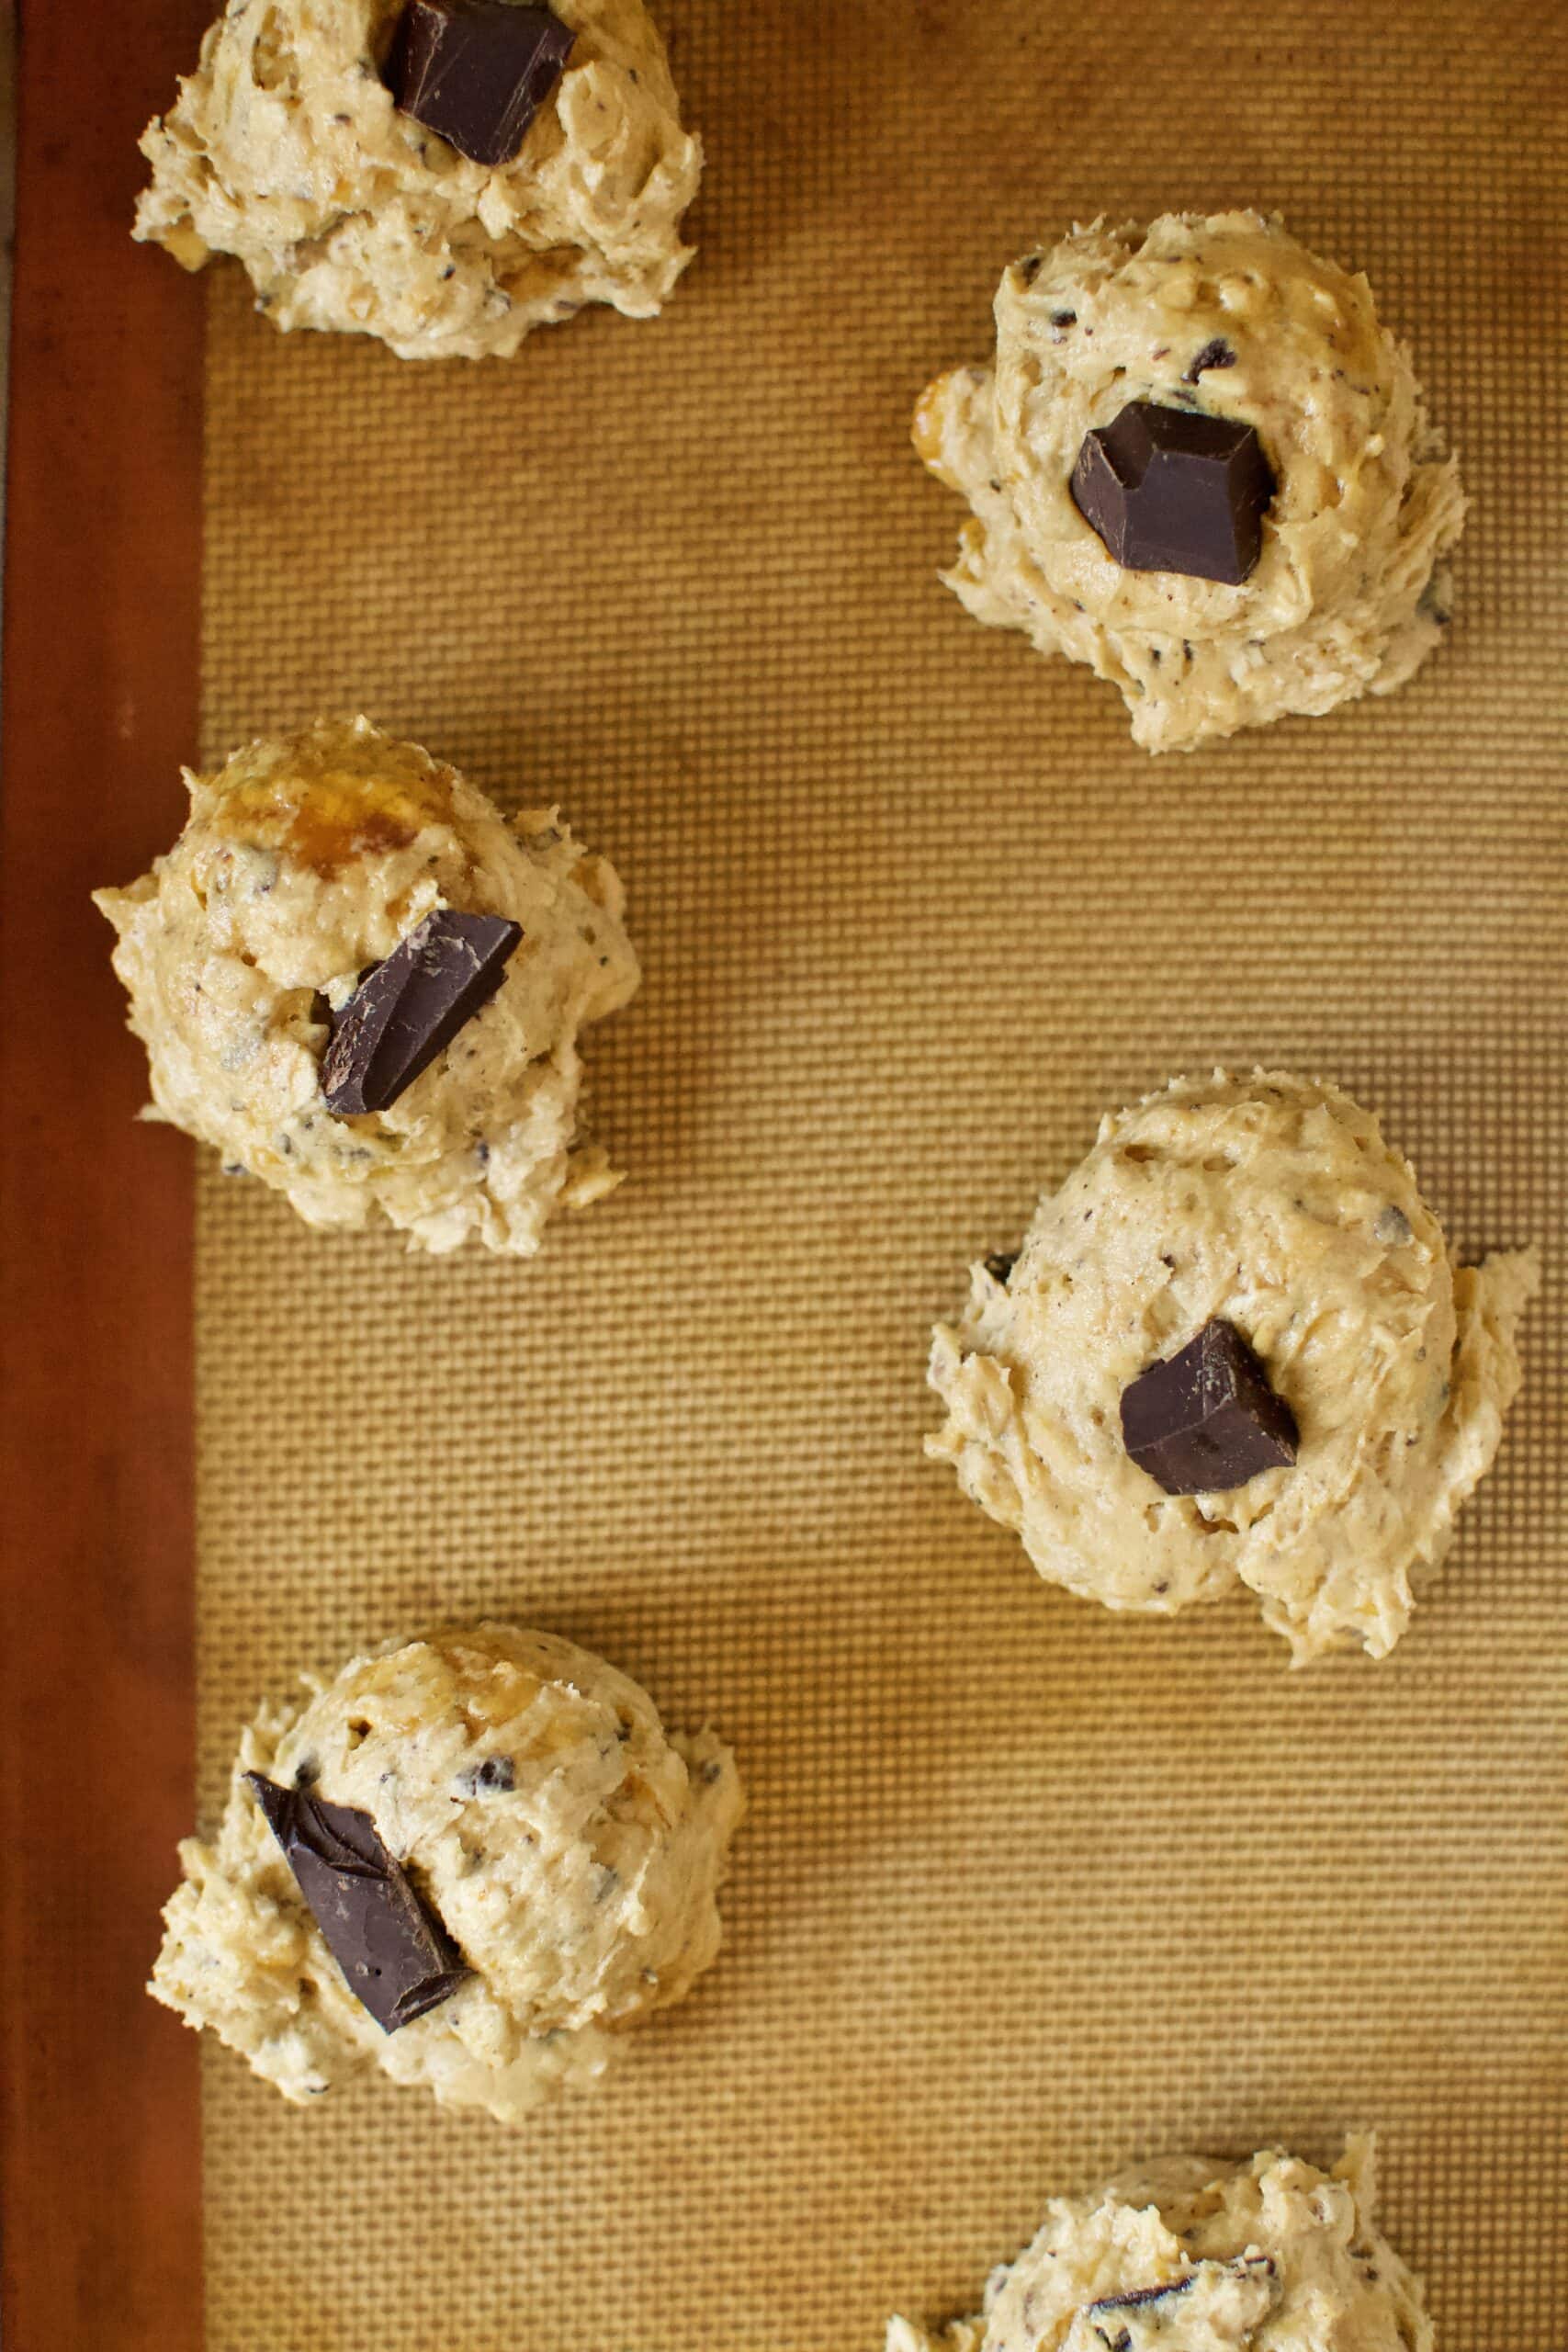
{"points": [[285, 148], [1267, 2256], [1229, 318], [566, 1851], [308, 859], [1271, 1207]]}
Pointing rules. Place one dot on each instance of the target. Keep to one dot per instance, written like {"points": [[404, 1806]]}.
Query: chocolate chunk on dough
{"points": [[1174, 490], [1206, 1419], [476, 72], [413, 1005], [396, 1959]]}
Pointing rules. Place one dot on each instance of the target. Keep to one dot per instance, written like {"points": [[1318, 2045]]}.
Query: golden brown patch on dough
{"points": [[927, 433], [336, 818]]}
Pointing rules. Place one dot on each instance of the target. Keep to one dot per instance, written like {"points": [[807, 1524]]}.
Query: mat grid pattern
{"points": [[1026, 1891]]}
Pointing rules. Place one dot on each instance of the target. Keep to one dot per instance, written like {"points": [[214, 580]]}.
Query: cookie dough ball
{"points": [[1271, 1203], [1192, 2251], [569, 1848], [1232, 318], [306, 860], [285, 149]]}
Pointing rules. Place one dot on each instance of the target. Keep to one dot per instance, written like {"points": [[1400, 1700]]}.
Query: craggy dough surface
{"points": [[583, 1899], [875, 897], [1350, 594], [1267, 2256], [284, 147], [1275, 1202], [307, 858]]}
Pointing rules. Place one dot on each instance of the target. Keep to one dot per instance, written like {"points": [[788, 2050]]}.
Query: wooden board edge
{"points": [[99, 2116]]}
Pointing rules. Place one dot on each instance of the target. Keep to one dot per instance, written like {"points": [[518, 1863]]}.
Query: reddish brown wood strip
{"points": [[99, 2129]]}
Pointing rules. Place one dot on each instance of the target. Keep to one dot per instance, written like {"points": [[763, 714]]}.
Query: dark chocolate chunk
{"points": [[1215, 354], [395, 1957], [475, 72], [411, 1006], [1175, 489], [1206, 1419], [496, 1777]]}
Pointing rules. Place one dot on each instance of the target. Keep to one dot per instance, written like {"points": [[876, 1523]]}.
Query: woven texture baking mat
{"points": [[1026, 1891]]}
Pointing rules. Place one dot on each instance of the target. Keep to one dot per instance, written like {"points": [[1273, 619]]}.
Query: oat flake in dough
{"points": [[1350, 592], [284, 147], [568, 1846], [1274, 1201], [1194, 2256], [307, 858]]}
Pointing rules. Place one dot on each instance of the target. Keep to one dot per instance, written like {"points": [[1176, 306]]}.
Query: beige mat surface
{"points": [[1026, 1891]]}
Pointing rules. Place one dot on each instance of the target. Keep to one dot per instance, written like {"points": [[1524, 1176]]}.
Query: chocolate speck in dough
{"points": [[1216, 353]]}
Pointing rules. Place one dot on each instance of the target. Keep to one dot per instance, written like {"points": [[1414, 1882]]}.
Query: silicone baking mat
{"points": [[1026, 1891]]}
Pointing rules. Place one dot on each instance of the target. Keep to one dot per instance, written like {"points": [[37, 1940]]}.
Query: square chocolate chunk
{"points": [[1176, 490], [476, 72], [1206, 1419]]}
